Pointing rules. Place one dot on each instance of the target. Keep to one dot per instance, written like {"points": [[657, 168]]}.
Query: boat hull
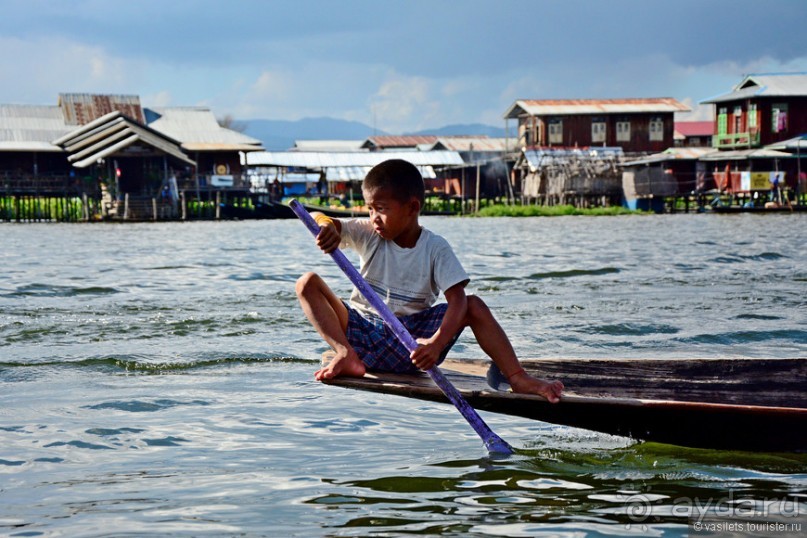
{"points": [[729, 404]]}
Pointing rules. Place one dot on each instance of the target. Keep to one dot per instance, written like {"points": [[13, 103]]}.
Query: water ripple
{"points": [[571, 273], [139, 406], [51, 290], [167, 386]]}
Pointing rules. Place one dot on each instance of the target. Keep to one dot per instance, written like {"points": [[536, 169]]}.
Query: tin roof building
{"points": [[198, 130], [761, 109], [31, 128], [636, 125]]}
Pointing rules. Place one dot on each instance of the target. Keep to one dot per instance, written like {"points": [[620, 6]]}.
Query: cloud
{"points": [[159, 99], [404, 66], [698, 112], [405, 103], [57, 65], [270, 85]]}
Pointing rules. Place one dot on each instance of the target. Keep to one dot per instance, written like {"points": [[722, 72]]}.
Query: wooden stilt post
{"points": [[478, 180]]}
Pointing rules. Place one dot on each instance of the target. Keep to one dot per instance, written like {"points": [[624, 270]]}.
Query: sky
{"points": [[397, 66]]}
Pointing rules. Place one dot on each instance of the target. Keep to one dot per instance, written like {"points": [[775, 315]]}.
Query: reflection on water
{"points": [[156, 379]]}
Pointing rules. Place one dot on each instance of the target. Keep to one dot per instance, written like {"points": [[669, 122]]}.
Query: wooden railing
{"points": [[10, 182], [736, 140]]}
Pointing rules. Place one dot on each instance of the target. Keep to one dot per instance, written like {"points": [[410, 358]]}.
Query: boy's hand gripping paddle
{"points": [[493, 442]]}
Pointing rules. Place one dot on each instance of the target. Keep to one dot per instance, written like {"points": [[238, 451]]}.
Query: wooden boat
{"points": [[279, 210], [759, 210], [732, 404], [237, 213], [260, 210], [274, 210], [338, 213]]}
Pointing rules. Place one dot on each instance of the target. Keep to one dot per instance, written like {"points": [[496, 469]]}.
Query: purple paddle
{"points": [[493, 442]]}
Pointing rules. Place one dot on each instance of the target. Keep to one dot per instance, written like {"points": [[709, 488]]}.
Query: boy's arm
{"points": [[330, 233], [430, 349]]}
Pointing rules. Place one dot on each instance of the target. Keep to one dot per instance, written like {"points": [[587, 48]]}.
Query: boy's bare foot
{"points": [[524, 383], [340, 365]]}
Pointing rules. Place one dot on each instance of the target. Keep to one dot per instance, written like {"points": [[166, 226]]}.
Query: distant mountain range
{"points": [[280, 135]]}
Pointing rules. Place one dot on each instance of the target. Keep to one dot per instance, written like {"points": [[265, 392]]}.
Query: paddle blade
{"points": [[498, 446]]}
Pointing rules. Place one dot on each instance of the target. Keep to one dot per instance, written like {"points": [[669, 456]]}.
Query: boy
{"points": [[408, 266]]}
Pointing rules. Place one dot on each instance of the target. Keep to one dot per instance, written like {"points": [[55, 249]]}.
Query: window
{"points": [[656, 129], [597, 130], [623, 131], [722, 121], [779, 118], [752, 116], [556, 131], [738, 120], [526, 134], [528, 131]]}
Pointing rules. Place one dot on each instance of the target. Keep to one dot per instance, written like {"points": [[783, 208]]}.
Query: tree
{"points": [[228, 122]]}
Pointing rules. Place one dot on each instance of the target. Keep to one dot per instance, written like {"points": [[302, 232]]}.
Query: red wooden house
{"points": [[761, 110], [636, 125]]}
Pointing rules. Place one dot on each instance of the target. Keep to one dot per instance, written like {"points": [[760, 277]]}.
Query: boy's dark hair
{"points": [[399, 177]]}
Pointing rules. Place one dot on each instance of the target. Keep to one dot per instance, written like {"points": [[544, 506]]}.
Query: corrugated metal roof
{"points": [[672, 154], [321, 160], [261, 178], [688, 153], [463, 143], [41, 128], [335, 174], [31, 127], [694, 128], [347, 173], [536, 158], [198, 130], [745, 93], [796, 143], [766, 85], [565, 107], [405, 141], [742, 154], [82, 108], [358, 173], [328, 145], [29, 146], [110, 134]]}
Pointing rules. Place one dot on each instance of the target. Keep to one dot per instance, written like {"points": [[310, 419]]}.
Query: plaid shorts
{"points": [[378, 347]]}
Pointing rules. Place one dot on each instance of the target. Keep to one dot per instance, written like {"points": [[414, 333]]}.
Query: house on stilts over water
{"points": [[571, 150]]}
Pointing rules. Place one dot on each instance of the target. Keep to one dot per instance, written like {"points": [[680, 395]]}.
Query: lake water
{"points": [[156, 379]]}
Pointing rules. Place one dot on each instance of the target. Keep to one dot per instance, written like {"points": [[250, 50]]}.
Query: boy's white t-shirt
{"points": [[409, 280]]}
